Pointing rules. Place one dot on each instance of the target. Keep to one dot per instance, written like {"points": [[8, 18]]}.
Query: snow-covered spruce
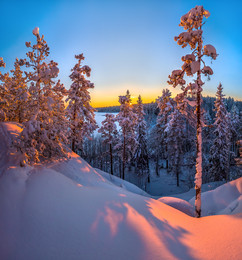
{"points": [[193, 63], [4, 93], [219, 152], [109, 135], [234, 127], [141, 158], [18, 89], [127, 120], [175, 141], [43, 130], [79, 111], [239, 160], [165, 105]]}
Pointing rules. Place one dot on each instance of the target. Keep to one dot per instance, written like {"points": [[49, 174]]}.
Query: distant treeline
{"points": [[150, 108]]}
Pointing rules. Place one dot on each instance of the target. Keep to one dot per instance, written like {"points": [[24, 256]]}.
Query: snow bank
{"points": [[179, 204], [45, 215], [205, 187], [226, 199], [125, 185], [81, 172], [12, 189]]}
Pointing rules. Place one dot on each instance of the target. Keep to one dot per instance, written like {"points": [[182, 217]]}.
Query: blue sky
{"points": [[128, 44]]}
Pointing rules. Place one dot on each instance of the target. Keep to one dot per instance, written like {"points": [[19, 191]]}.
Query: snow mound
{"points": [[45, 215], [82, 173], [125, 185], [179, 204], [74, 168], [226, 199], [205, 187]]}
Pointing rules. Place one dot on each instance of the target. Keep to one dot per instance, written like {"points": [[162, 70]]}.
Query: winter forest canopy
{"points": [[188, 138]]}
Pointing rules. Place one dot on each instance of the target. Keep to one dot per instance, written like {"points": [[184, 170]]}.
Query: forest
{"points": [[169, 145], [162, 134], [158, 180]]}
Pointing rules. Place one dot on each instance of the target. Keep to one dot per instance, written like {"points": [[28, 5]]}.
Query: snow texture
{"points": [[226, 199], [210, 50], [36, 31]]}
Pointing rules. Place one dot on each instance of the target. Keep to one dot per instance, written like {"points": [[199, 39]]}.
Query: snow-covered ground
{"points": [[164, 184], [68, 210], [226, 199]]}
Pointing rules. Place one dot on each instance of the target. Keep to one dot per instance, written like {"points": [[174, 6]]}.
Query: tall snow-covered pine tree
{"points": [[127, 120], [164, 103], [219, 152], [109, 134], [141, 157], [41, 136], [193, 63], [175, 141], [79, 111], [4, 96], [18, 89]]}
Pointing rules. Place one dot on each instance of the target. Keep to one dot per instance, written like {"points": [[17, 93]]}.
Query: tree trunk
{"points": [[19, 116], [148, 167], [166, 147], [157, 166], [198, 176], [177, 177], [120, 168], [111, 159], [74, 133], [124, 157], [101, 161], [73, 145]]}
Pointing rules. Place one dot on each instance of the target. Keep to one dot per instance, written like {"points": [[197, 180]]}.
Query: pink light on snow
{"points": [[111, 217]]}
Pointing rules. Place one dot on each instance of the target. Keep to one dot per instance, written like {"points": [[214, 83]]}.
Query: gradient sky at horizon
{"points": [[128, 44]]}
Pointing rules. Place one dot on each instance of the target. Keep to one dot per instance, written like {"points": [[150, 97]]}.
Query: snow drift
{"points": [[226, 199], [179, 204], [68, 210]]}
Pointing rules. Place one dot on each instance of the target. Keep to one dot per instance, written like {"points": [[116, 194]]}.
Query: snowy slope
{"points": [[226, 199], [67, 210], [205, 187], [179, 204], [90, 176]]}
